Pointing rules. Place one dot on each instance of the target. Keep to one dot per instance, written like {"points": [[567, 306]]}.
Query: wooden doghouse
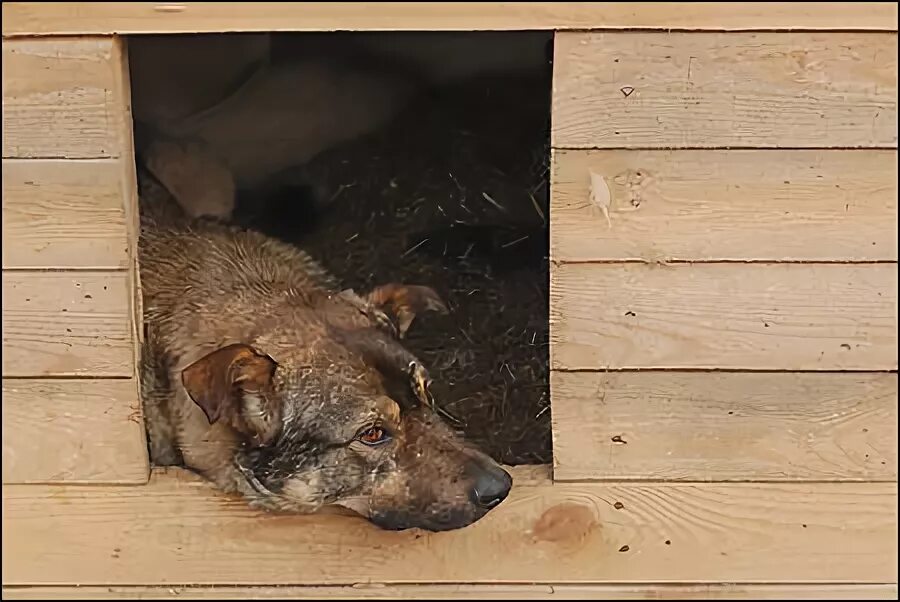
{"points": [[723, 313]]}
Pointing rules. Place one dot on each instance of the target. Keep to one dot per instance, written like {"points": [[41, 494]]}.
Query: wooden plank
{"points": [[60, 99], [130, 195], [86, 431], [724, 426], [682, 90], [176, 530], [63, 214], [378, 591], [30, 18], [736, 316], [67, 324], [701, 205]]}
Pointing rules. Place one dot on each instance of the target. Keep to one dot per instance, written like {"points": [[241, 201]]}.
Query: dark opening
{"points": [[420, 158]]}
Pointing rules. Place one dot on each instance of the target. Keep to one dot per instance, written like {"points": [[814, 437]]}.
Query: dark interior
{"points": [[452, 193]]}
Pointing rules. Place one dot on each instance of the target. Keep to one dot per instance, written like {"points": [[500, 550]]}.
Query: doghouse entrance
{"points": [[419, 158]]}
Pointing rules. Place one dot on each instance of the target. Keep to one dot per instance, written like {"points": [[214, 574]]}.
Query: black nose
{"points": [[492, 485]]}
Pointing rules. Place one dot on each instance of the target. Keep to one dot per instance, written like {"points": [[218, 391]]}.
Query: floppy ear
{"points": [[232, 384]]}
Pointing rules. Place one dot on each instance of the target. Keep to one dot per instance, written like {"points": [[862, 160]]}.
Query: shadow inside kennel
{"points": [[419, 158]]}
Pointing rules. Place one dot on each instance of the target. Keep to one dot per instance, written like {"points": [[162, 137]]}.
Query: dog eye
{"points": [[374, 436]]}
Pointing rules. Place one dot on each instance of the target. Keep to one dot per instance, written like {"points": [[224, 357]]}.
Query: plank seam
{"points": [[51, 270], [619, 481], [68, 377], [411, 584], [559, 28], [98, 160], [624, 481], [81, 483], [725, 370], [722, 148], [667, 261]]}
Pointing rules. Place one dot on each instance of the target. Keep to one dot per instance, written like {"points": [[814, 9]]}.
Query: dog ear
{"points": [[405, 302], [224, 382], [389, 358]]}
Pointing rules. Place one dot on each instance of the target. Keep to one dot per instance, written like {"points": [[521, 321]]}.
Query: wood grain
{"points": [[28, 18], [700, 205], [63, 214], [67, 324], [176, 530], [682, 90], [380, 591], [86, 431], [61, 99], [130, 195], [757, 316], [724, 426]]}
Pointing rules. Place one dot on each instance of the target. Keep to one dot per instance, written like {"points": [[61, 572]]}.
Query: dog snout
{"points": [[492, 485]]}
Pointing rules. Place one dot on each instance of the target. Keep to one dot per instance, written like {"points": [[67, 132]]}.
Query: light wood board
{"points": [[28, 18], [87, 431], [724, 426], [176, 530], [67, 324], [61, 99], [745, 205], [376, 591], [764, 89], [63, 214], [704, 316]]}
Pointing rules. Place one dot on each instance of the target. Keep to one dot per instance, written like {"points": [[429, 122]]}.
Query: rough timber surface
{"points": [[63, 214], [699, 426], [74, 431], [67, 324], [40, 18], [714, 205], [176, 530], [62, 98], [713, 90], [782, 316], [380, 591]]}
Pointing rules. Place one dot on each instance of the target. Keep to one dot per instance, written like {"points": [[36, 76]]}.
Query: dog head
{"points": [[322, 426]]}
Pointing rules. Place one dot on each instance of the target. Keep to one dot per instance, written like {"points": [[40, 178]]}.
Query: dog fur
{"points": [[262, 375]]}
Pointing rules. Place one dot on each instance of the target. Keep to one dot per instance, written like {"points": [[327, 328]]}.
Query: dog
{"points": [[262, 375]]}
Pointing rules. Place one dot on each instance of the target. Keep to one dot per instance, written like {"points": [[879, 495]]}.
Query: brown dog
{"points": [[260, 374]]}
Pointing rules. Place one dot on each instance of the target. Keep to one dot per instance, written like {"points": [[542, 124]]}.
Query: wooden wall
{"points": [[726, 304], [723, 321], [724, 288], [71, 411]]}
